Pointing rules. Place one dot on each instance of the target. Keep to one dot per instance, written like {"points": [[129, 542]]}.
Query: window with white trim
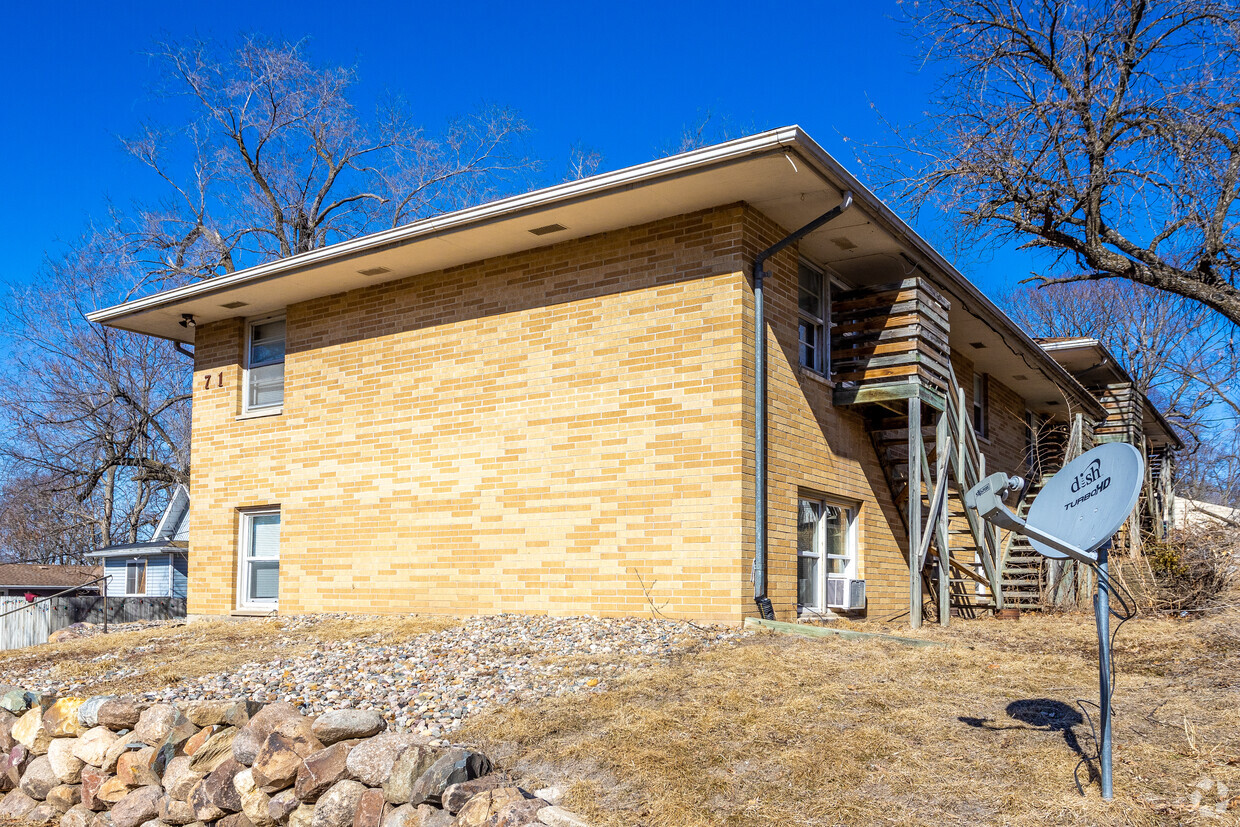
{"points": [[826, 549], [258, 582], [264, 375], [813, 309], [981, 404], [135, 577]]}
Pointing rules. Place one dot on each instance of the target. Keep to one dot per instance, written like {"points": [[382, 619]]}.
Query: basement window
{"points": [[813, 308], [264, 376], [826, 550], [258, 585]]}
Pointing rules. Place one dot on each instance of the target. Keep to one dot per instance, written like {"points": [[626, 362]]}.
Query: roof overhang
{"points": [[783, 173]]}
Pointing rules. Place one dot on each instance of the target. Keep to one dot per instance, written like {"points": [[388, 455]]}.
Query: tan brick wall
{"points": [[537, 433]]}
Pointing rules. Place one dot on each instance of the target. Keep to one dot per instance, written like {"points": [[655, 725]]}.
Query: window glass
{"points": [[265, 369], [135, 577], [260, 563], [811, 304], [825, 549]]}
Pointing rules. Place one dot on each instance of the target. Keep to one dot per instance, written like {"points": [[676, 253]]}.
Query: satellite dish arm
{"points": [[986, 498]]}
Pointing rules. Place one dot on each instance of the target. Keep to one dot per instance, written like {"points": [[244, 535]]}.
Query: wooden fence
{"points": [[32, 623]]}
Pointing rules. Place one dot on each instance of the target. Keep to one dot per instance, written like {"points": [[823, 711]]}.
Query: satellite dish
{"points": [[1088, 500]]}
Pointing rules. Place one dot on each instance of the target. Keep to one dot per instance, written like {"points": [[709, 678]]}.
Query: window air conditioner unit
{"points": [[846, 594]]}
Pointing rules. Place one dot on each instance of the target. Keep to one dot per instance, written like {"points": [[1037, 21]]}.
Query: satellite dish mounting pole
{"points": [[1102, 614]]}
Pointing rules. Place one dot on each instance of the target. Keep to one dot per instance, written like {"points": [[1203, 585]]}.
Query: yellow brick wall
{"points": [[539, 433]]}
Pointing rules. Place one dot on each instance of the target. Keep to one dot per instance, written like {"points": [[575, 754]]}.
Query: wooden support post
{"points": [[914, 512], [943, 444]]}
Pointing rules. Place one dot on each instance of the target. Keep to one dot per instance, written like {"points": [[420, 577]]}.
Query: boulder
{"points": [[7, 719], [15, 764], [61, 718], [199, 739], [371, 761], [403, 816], [176, 812], [427, 816], [300, 733], [552, 795], [66, 765], [302, 816], [344, 724], [119, 747], [88, 712], [101, 820], [523, 813], [253, 800], [559, 817], [204, 810], [180, 778], [92, 779], [278, 760], [452, 767], [39, 778], [479, 809], [161, 724], [407, 769], [77, 816], [18, 700], [245, 745], [92, 747], [65, 796], [138, 806], [111, 791], [370, 809], [219, 789], [217, 750], [234, 820], [268, 719], [281, 805], [117, 714], [30, 732], [322, 769], [221, 713], [43, 813], [16, 806], [455, 796], [338, 806], [134, 768]]}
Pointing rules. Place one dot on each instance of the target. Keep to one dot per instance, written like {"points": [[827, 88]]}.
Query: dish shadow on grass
{"points": [[1043, 714]]}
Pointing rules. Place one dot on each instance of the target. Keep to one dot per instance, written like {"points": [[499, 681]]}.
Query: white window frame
{"points": [[145, 571], [245, 557], [981, 405], [822, 352], [819, 552], [246, 407]]}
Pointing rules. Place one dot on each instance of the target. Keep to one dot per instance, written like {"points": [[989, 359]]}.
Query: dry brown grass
{"points": [[170, 654], [790, 731]]}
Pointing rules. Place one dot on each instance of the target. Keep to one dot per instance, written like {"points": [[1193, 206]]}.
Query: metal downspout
{"points": [[759, 558]]}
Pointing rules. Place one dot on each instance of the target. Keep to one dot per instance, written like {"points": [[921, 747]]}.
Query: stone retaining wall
{"points": [[109, 762]]}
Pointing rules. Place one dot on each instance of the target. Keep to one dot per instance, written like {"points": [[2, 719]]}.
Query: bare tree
{"points": [[1106, 132]]}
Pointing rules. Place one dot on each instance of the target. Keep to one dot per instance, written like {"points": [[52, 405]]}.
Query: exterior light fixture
{"points": [[187, 321]]}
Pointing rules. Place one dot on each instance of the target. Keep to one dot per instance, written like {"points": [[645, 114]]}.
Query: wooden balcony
{"points": [[890, 343]]}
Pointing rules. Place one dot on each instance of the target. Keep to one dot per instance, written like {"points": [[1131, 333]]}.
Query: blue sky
{"points": [[624, 80]]}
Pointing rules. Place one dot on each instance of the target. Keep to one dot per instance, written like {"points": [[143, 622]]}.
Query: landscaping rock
{"points": [[39, 778], [18, 700], [268, 719], [180, 778], [479, 809], [551, 795], [78, 816], [344, 724], [245, 745], [220, 713], [427, 816], [338, 806], [407, 769], [403, 816], [455, 796], [219, 788], [139, 806], [172, 811], [92, 779], [217, 750], [320, 770], [30, 732], [281, 805], [117, 714], [15, 764], [16, 806], [7, 719], [119, 747], [453, 767], [204, 810], [101, 820], [134, 770], [163, 723], [371, 761], [61, 718], [277, 762], [199, 739], [88, 712], [43, 813], [518, 813], [66, 765], [370, 809], [112, 790], [302, 816], [559, 817], [253, 800], [65, 796], [92, 747]]}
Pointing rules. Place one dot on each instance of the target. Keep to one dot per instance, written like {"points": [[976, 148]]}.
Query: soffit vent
{"points": [[374, 271], [1020, 377], [550, 228], [843, 243], [978, 345], [234, 305]]}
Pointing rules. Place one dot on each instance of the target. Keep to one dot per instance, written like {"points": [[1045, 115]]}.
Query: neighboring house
{"points": [[20, 579], [557, 403], [158, 567]]}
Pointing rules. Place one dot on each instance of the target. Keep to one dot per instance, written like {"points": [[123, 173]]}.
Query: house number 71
{"points": [[219, 381]]}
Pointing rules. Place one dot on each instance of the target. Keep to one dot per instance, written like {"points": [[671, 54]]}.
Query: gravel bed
{"points": [[432, 683]]}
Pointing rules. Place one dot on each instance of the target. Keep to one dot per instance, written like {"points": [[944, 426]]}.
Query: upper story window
{"points": [[981, 404], [264, 379], [814, 308]]}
